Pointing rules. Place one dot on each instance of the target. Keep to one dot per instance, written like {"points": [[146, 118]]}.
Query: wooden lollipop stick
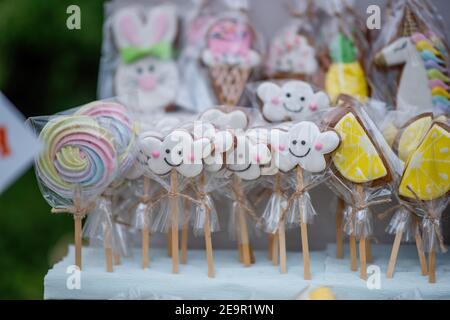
{"points": [[282, 243], [303, 230], [252, 255], [420, 252], [243, 229], [432, 267], [353, 261], [339, 220], [275, 248], [117, 259], [108, 251], [394, 254], [174, 209], [169, 243], [145, 247], [369, 251], [208, 245], [363, 259], [270, 247], [78, 242], [207, 230], [145, 230], [184, 243]]}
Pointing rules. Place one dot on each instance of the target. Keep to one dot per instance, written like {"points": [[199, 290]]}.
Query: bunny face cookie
{"points": [[306, 146], [295, 100], [246, 159], [146, 64]]}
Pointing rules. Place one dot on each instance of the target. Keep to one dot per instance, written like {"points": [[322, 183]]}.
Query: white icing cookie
{"points": [[291, 52], [295, 101], [153, 76], [247, 157], [306, 146], [221, 141], [221, 120]]}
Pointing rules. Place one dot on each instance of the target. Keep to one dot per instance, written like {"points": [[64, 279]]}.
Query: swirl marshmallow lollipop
{"points": [[79, 162]]}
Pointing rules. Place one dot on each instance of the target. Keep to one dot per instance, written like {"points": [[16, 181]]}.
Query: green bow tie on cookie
{"points": [[161, 50]]}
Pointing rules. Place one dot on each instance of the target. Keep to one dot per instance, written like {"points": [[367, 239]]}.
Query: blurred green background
{"points": [[44, 68]]}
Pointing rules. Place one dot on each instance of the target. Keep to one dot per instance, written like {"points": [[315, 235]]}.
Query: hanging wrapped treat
{"points": [[364, 167], [231, 54], [411, 46], [343, 45], [292, 52]]}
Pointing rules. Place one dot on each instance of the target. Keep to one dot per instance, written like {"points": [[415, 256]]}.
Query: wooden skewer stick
{"points": [[353, 262], [420, 252], [303, 230], [117, 259], [246, 256], [207, 230], [362, 241], [174, 209], [78, 242], [169, 243], [275, 248], [184, 234], [270, 247], [339, 219], [108, 251], [145, 230], [281, 229], [369, 251], [394, 254], [432, 267]]}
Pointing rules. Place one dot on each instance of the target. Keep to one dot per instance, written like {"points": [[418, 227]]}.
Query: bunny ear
{"points": [[267, 91], [163, 23], [127, 27]]}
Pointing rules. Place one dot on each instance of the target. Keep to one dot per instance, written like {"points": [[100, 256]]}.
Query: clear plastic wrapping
{"points": [[412, 45]]}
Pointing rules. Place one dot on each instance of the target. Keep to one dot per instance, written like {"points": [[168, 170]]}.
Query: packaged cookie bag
{"points": [[138, 54], [293, 51], [412, 45]]}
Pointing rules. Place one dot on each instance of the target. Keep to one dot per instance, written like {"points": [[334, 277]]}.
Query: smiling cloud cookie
{"points": [[305, 145], [295, 101]]}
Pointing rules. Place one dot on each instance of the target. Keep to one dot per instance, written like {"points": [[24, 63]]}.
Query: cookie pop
{"points": [[78, 164]]}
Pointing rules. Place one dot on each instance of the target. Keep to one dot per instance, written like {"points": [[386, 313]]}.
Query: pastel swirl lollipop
{"points": [[79, 155], [115, 118]]}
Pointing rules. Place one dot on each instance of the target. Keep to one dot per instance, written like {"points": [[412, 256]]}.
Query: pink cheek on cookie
{"points": [[156, 154], [318, 146], [281, 147], [313, 107], [257, 159], [147, 82], [275, 101]]}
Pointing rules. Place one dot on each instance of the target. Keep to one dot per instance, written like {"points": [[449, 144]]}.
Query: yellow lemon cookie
{"points": [[413, 134], [357, 159], [427, 172], [346, 79]]}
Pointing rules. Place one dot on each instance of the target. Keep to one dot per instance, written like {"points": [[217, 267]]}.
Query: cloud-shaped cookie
{"points": [[247, 157], [295, 101], [304, 145], [177, 151]]}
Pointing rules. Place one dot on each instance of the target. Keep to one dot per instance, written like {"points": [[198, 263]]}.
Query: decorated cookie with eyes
{"points": [[305, 145], [146, 64], [229, 42], [221, 141], [247, 157], [294, 100], [236, 119]]}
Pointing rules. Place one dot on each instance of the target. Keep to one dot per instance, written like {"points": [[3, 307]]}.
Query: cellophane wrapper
{"points": [[85, 151], [361, 197]]}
